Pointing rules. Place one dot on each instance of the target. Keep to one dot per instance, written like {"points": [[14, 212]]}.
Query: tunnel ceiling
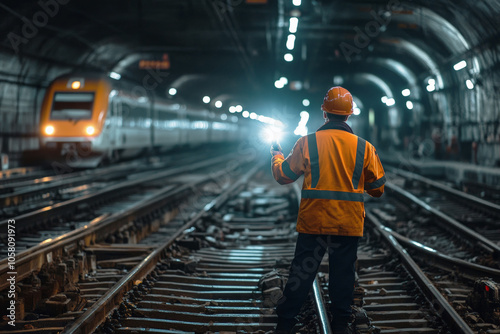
{"points": [[235, 48]]}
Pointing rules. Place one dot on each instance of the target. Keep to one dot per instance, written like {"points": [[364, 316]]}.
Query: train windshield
{"points": [[72, 106]]}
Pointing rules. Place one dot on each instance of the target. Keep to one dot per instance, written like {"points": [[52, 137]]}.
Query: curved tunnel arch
{"points": [[375, 80], [403, 71], [96, 37], [440, 101]]}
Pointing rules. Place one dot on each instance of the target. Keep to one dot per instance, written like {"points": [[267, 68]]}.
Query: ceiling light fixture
{"points": [[460, 65], [294, 22]]}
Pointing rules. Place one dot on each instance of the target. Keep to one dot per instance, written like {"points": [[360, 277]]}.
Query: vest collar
{"points": [[334, 125]]}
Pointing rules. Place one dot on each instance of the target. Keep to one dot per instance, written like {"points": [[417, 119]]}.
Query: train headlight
{"points": [[90, 130], [76, 84], [49, 130]]}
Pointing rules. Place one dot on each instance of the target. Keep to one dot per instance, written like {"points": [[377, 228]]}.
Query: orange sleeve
{"points": [[288, 170], [374, 174]]}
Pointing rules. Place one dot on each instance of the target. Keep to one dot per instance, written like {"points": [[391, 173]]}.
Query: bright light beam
{"points": [[271, 134]]}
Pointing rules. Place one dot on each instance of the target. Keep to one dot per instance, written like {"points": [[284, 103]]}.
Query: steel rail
{"points": [[10, 196], [7, 180], [32, 260], [324, 323], [17, 171], [447, 221], [435, 298], [9, 188], [437, 259], [52, 212], [97, 313], [479, 202]]}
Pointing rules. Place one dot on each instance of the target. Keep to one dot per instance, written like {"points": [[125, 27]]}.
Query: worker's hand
{"points": [[276, 149]]}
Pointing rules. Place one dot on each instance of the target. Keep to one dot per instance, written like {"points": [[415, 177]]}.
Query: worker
{"points": [[338, 167]]}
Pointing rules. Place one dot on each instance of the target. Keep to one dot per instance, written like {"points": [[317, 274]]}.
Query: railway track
{"points": [[122, 189], [20, 174], [399, 296], [478, 181], [456, 288], [209, 278], [74, 255], [432, 222], [232, 283], [43, 188], [231, 259], [463, 207], [218, 263], [115, 223], [414, 214]]}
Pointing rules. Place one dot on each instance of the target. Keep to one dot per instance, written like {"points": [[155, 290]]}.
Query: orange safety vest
{"points": [[338, 167]]}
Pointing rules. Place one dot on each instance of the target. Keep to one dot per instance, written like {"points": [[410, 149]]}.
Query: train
{"points": [[91, 119]]}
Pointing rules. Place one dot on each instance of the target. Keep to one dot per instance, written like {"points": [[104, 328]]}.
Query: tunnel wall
{"points": [[64, 43], [475, 114], [22, 86]]}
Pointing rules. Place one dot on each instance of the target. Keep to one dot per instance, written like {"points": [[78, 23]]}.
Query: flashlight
{"points": [[275, 146]]}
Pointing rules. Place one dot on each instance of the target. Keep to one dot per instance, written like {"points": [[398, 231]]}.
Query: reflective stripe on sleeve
{"points": [[360, 161], [289, 173], [336, 195], [375, 184], [314, 159]]}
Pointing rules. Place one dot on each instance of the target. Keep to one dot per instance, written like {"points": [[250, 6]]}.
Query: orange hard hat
{"points": [[338, 101]]}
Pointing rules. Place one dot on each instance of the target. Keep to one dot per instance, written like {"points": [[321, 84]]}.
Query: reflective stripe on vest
{"points": [[330, 194], [314, 159], [360, 161], [375, 184], [289, 173]]}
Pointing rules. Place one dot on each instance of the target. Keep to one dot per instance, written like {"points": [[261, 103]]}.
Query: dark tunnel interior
{"points": [[250, 166], [425, 75]]}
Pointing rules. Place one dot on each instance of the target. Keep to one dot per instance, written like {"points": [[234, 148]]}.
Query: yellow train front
{"points": [[88, 119], [73, 116]]}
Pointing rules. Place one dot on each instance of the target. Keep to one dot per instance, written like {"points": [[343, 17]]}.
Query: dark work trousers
{"points": [[310, 248]]}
